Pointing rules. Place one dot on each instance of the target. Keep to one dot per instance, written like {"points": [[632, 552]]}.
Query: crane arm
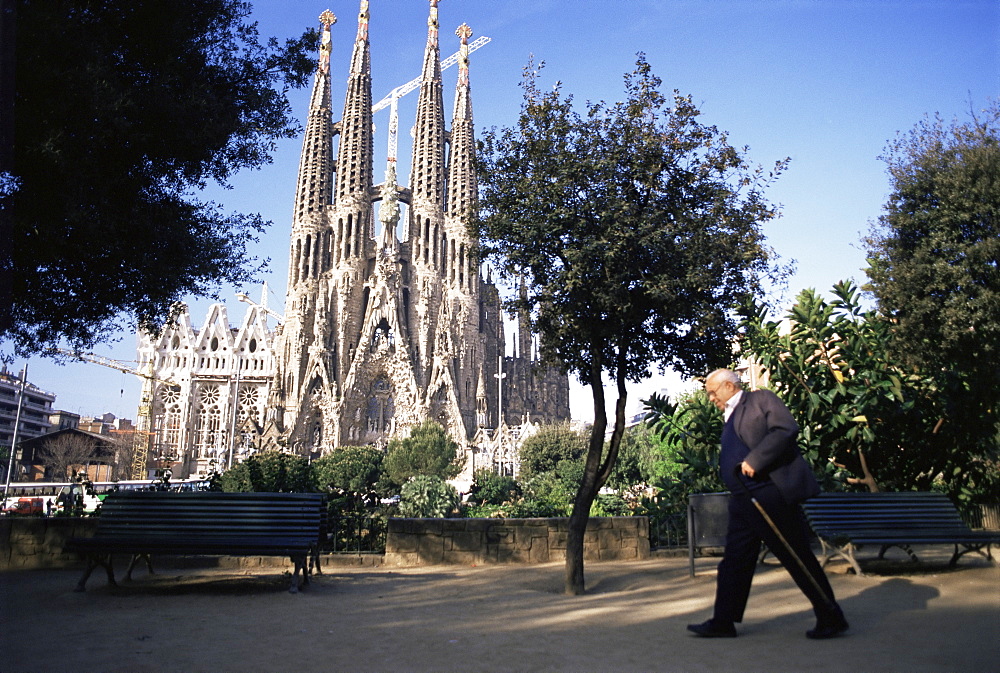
{"points": [[404, 89], [113, 364]]}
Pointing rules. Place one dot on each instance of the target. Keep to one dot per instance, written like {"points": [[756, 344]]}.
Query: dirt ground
{"points": [[904, 617]]}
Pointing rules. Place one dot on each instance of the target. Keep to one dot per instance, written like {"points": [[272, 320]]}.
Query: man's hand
{"points": [[747, 470]]}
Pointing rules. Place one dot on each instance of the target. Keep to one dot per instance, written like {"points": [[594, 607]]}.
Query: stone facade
{"points": [[388, 319]]}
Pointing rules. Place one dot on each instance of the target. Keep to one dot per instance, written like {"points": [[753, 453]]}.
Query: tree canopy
{"points": [[427, 451], [934, 254], [122, 111], [635, 229], [542, 451]]}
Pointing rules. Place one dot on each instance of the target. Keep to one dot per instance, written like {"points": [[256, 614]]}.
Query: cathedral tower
{"points": [[387, 320]]}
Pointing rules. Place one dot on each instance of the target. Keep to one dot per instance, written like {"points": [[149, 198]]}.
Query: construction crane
{"points": [[143, 436], [393, 96]]}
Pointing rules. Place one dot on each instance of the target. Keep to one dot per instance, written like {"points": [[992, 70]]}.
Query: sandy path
{"points": [[506, 618]]}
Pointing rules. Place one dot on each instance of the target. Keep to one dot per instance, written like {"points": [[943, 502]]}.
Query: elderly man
{"points": [[761, 462]]}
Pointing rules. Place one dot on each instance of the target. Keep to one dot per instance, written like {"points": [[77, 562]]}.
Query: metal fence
{"points": [[356, 533], [668, 532]]}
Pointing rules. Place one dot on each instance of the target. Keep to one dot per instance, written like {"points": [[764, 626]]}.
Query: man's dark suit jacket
{"points": [[766, 426]]}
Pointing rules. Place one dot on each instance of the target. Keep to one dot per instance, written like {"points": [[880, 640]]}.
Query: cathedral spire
{"points": [[313, 190], [428, 172], [462, 185], [354, 159]]}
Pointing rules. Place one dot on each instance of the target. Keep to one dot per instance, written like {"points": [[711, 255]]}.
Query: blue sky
{"points": [[826, 83]]}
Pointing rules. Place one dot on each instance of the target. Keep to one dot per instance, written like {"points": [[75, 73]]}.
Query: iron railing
{"points": [[356, 533]]}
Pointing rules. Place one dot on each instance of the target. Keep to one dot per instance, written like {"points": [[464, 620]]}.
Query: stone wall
{"points": [[38, 542], [28, 542], [415, 542]]}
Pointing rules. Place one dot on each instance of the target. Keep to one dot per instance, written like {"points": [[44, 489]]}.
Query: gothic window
{"points": [[248, 404], [208, 421], [167, 420]]}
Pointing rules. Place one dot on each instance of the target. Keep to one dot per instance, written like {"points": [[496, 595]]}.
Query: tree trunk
{"points": [[595, 474]]}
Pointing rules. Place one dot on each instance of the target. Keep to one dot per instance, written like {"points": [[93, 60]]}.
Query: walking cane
{"points": [[770, 522]]}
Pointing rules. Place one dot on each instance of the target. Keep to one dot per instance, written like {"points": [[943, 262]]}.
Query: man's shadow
{"points": [[872, 606]]}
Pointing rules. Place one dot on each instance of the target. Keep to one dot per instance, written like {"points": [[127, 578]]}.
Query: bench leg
{"points": [[905, 547], [983, 549], [300, 566], [314, 561], [94, 560], [135, 559]]}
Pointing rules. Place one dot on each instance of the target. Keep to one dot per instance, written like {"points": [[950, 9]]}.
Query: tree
{"points": [[124, 111], [635, 229], [352, 472], [427, 451], [69, 452], [934, 261], [637, 461], [542, 451]]}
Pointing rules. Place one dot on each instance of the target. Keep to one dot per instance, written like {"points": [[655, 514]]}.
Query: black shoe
{"points": [[830, 627], [710, 629]]}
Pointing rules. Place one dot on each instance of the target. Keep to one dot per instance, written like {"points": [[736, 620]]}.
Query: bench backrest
{"points": [[214, 515], [916, 510]]}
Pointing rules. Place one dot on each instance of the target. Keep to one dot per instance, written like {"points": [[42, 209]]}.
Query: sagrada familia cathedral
{"points": [[388, 318]]}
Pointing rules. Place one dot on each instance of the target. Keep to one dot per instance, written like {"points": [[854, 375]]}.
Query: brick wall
{"points": [[414, 542]]}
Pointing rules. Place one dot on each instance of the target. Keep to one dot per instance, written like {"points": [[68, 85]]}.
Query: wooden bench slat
{"points": [[847, 520]]}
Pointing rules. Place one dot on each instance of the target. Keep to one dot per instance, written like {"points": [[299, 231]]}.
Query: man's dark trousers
{"points": [[747, 528]]}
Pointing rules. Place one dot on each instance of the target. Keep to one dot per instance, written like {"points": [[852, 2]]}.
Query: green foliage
{"points": [[542, 451], [863, 417], [428, 496], [351, 474], [690, 430], [270, 472], [933, 253], [553, 491], [635, 228], [491, 488], [934, 272], [640, 458], [427, 451], [157, 99]]}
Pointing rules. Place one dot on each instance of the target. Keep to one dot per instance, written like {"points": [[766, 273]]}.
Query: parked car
{"points": [[26, 507]]}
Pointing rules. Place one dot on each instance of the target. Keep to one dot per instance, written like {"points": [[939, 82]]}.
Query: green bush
{"points": [[490, 488], [428, 496], [270, 472], [544, 450], [351, 475]]}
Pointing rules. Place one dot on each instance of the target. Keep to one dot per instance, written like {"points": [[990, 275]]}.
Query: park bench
{"points": [[205, 523], [844, 522]]}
